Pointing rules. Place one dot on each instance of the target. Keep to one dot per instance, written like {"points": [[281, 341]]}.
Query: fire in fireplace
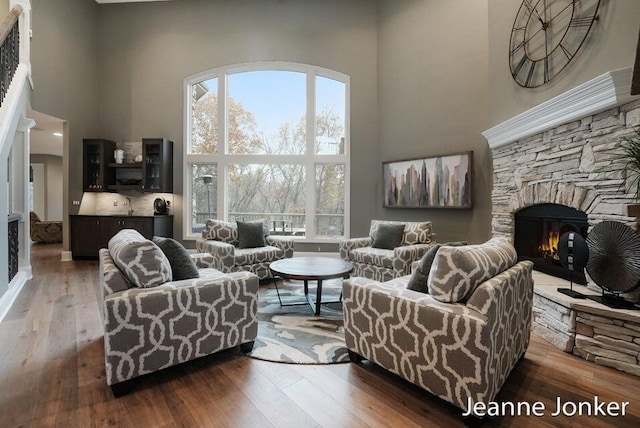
{"points": [[538, 229]]}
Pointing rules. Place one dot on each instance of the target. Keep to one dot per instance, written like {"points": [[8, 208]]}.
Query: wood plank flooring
{"points": [[52, 374]]}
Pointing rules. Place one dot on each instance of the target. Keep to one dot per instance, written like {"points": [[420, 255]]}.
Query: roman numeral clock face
{"points": [[546, 36]]}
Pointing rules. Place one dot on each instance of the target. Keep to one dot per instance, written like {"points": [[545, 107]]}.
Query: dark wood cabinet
{"points": [[97, 175], [90, 233], [157, 165], [153, 175]]}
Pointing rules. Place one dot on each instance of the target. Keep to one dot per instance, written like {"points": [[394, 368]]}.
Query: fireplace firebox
{"points": [[538, 229]]}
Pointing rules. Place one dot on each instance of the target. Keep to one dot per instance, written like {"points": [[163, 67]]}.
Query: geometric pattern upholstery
{"points": [[456, 351], [383, 265], [220, 239], [44, 231], [148, 329], [457, 271], [140, 259], [415, 232]]}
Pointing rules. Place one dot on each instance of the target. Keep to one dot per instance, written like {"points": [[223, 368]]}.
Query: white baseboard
{"points": [[15, 286], [66, 256]]}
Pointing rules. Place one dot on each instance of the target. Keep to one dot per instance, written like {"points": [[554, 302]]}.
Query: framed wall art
{"points": [[433, 182]]}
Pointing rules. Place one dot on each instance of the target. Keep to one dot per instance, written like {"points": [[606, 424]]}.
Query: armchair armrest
{"points": [[223, 253], [205, 315], [285, 244], [203, 260], [348, 245], [404, 256]]}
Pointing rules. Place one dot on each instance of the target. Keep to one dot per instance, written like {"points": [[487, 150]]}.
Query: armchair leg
{"points": [[355, 357], [121, 389], [247, 347]]}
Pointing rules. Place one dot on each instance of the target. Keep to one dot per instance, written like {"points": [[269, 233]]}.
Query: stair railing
{"points": [[9, 49]]}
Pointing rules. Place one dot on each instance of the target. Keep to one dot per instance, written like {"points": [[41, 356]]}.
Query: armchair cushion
{"points": [[182, 264], [250, 234], [388, 236], [373, 256], [140, 259], [457, 271]]}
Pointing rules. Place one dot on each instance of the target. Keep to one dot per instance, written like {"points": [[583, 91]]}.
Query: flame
{"points": [[550, 247]]}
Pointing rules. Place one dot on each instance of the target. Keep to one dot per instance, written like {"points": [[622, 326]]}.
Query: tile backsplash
{"points": [[114, 203]]}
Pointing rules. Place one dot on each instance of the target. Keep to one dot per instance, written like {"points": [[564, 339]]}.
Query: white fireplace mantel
{"points": [[604, 92]]}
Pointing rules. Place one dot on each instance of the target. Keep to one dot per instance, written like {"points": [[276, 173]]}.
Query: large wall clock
{"points": [[546, 36]]}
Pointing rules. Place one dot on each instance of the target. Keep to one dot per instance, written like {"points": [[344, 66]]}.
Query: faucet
{"points": [[128, 203]]}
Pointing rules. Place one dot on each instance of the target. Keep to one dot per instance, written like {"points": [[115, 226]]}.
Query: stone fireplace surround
{"points": [[564, 152]]}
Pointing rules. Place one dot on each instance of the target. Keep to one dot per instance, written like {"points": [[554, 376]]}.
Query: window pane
{"points": [[271, 192], [267, 112], [330, 200], [203, 195], [330, 116], [204, 118]]}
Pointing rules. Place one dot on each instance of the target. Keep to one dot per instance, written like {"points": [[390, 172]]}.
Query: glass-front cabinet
{"points": [[97, 175], [104, 172], [157, 166]]}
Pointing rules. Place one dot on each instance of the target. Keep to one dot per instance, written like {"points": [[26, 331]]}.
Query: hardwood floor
{"points": [[52, 374]]}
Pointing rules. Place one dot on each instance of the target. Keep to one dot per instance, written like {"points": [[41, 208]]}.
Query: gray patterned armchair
{"points": [[44, 231], [152, 322], [462, 339], [220, 239], [384, 265]]}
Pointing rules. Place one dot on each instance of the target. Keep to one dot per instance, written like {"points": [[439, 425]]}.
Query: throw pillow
{"points": [[182, 265], [140, 259], [250, 234], [418, 280], [388, 236], [457, 271]]}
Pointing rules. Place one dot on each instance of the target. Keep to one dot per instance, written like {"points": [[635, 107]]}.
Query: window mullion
{"points": [[223, 135], [310, 179]]}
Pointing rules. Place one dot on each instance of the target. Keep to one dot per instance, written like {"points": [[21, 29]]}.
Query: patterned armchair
{"points": [[44, 231], [460, 340], [152, 322], [384, 265], [220, 239]]}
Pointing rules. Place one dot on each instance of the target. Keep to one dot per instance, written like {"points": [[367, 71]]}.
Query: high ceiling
{"points": [[42, 139], [125, 1]]}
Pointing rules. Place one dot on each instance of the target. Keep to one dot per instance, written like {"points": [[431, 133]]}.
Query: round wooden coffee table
{"points": [[311, 269]]}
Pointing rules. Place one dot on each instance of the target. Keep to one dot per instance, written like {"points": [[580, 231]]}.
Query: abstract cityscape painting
{"points": [[435, 182]]}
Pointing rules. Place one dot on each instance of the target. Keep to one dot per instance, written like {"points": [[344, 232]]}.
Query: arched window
{"points": [[268, 141]]}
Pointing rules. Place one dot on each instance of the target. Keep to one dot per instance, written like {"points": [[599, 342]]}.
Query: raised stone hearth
{"points": [[588, 329]]}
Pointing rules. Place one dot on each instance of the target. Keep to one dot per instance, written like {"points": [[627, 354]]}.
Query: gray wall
{"points": [[433, 100], [611, 46], [53, 185], [147, 49], [64, 68], [4, 8]]}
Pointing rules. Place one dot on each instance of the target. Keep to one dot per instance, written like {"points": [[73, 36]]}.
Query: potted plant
{"points": [[631, 158]]}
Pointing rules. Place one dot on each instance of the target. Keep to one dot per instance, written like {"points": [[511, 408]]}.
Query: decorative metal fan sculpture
{"points": [[614, 259]]}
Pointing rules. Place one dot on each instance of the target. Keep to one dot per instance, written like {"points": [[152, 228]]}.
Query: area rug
{"points": [[293, 334]]}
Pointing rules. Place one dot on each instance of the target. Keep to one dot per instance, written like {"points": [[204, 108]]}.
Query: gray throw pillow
{"points": [[388, 236], [182, 265], [250, 234], [418, 280]]}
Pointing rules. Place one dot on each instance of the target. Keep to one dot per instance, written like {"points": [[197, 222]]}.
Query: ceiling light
{"points": [[58, 134]]}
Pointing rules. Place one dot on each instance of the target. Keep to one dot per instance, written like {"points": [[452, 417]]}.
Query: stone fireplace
{"points": [[563, 156], [537, 232]]}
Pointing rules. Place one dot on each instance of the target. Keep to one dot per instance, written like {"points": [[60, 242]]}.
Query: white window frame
{"points": [[223, 160]]}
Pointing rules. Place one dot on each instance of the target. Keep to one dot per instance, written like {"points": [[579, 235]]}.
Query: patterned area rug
{"points": [[293, 334]]}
